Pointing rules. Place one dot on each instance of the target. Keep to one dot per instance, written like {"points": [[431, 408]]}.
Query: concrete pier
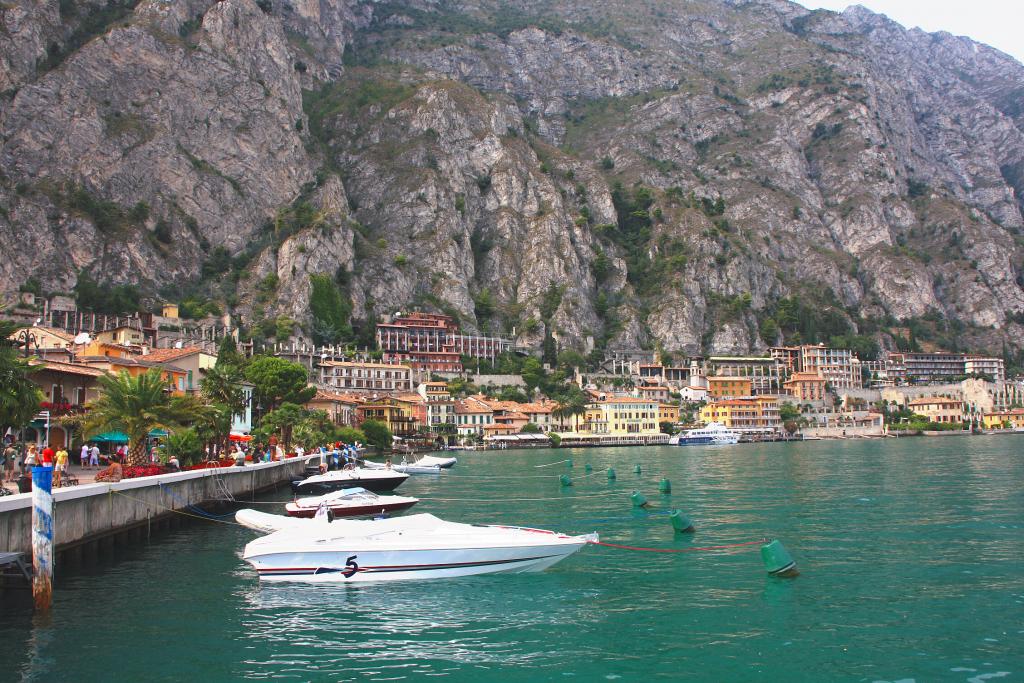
{"points": [[90, 513]]}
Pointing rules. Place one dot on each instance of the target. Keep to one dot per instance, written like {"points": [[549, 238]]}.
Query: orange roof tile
{"points": [[69, 368], [162, 355]]}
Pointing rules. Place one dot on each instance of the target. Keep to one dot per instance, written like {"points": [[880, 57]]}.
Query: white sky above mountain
{"points": [[998, 23]]}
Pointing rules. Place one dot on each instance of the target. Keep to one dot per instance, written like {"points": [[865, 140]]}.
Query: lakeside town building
{"points": [[765, 373], [806, 386], [939, 409], [754, 413], [432, 342], [840, 368], [360, 377], [729, 387]]}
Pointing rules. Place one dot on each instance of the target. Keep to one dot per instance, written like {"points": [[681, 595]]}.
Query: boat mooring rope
{"points": [[677, 550], [494, 498], [177, 512], [553, 463], [191, 506]]}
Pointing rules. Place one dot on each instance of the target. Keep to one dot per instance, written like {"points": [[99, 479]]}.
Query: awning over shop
{"points": [[235, 436], [110, 437], [158, 434]]}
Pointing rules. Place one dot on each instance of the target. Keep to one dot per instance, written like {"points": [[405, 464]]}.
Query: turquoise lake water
{"points": [[911, 553]]}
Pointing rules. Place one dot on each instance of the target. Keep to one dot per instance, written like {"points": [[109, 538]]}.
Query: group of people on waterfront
{"points": [[18, 459]]}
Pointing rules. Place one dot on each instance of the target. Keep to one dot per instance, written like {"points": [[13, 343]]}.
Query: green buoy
{"points": [[778, 561], [681, 522], [636, 469], [588, 467], [611, 472], [568, 463], [565, 480], [638, 499], [665, 486]]}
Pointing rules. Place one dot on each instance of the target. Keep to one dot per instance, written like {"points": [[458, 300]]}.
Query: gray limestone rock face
{"points": [[622, 174]]}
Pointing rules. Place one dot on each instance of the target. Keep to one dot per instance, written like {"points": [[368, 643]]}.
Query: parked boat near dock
{"points": [[714, 434], [416, 547], [354, 502], [371, 480]]}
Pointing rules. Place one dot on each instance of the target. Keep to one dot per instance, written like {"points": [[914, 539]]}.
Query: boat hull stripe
{"points": [[293, 571]]}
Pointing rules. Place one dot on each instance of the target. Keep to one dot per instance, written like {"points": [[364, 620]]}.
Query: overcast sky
{"points": [[999, 23]]}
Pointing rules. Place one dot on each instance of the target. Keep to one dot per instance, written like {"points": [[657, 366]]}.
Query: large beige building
{"points": [[622, 416], [378, 378], [939, 409]]}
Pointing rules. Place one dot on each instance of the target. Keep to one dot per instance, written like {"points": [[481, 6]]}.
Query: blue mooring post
{"points": [[42, 537]]}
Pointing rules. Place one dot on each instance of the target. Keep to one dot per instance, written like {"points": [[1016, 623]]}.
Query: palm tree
{"points": [[137, 406], [572, 408], [221, 386]]}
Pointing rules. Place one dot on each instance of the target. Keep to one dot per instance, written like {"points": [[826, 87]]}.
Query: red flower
{"points": [[132, 472]]}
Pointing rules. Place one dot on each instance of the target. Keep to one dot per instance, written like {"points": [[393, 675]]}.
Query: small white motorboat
{"points": [[414, 468], [415, 547], [443, 463], [371, 480], [268, 523], [355, 502]]}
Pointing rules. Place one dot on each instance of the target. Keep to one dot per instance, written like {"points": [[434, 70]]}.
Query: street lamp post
{"points": [[27, 340]]}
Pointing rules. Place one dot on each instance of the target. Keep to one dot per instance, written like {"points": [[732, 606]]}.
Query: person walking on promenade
{"points": [[13, 453], [47, 459], [60, 460], [31, 457], [83, 458], [94, 456], [7, 463]]}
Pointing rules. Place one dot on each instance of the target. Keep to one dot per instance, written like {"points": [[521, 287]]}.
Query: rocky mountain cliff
{"points": [[700, 176]]}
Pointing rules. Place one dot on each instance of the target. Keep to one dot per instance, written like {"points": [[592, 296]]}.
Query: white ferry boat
{"points": [[714, 434]]}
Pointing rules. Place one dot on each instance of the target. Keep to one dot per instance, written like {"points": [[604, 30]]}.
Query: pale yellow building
{"points": [[1003, 419], [622, 416], [938, 409], [124, 336]]}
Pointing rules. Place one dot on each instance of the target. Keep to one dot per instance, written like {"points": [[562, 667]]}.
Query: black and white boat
{"points": [[371, 480]]}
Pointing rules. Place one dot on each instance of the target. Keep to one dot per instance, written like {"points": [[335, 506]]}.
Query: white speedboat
{"points": [[371, 480], [714, 434], [268, 523], [414, 468], [355, 502], [443, 463], [415, 547]]}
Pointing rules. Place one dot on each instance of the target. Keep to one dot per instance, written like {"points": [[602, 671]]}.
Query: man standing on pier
{"points": [[83, 457], [47, 459]]}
